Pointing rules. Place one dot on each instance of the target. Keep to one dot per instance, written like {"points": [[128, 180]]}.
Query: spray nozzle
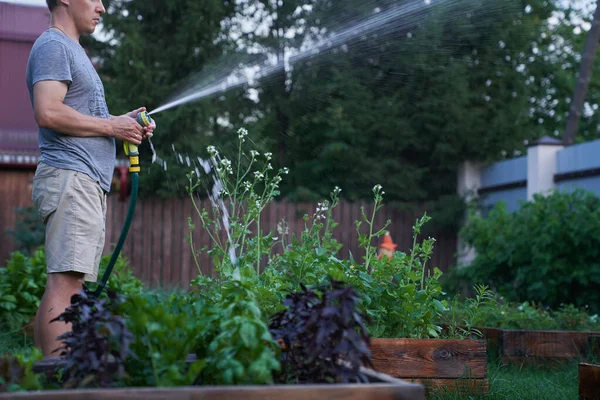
{"points": [[144, 119]]}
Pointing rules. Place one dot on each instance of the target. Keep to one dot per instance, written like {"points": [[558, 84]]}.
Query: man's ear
{"points": [[65, 2]]}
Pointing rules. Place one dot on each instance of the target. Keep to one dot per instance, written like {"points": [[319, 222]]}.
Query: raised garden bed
{"points": [[439, 364], [589, 381], [380, 387], [525, 346], [406, 391], [446, 364]]}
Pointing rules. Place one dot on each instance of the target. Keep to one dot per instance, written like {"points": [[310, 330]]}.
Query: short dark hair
{"points": [[51, 4]]}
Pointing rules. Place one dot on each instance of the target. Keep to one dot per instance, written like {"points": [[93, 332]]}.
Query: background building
{"points": [[20, 26]]}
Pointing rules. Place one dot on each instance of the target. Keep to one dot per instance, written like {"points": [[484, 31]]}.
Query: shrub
{"points": [[22, 285], [23, 280], [547, 252]]}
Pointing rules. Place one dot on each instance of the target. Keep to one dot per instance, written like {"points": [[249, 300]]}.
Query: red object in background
{"points": [[387, 246]]}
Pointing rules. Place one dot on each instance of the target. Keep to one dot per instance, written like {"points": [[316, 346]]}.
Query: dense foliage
{"points": [[23, 280], [547, 252], [488, 309], [402, 297], [22, 284]]}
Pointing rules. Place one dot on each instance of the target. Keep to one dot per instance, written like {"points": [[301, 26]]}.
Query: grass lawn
{"points": [[527, 382], [506, 382]]}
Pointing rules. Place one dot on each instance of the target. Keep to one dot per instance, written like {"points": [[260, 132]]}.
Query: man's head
{"points": [[84, 14]]}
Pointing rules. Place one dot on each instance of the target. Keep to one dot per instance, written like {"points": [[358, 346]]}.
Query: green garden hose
{"points": [[131, 150], [115, 255]]}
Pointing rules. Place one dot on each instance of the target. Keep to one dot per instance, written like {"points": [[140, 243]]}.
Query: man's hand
{"points": [[148, 130], [127, 129]]}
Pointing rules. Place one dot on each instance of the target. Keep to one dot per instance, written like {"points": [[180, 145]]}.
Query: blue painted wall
{"points": [[575, 158], [578, 158], [501, 173], [512, 198], [504, 172]]}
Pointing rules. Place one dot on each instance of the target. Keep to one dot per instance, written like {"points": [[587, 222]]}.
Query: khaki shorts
{"points": [[73, 208]]}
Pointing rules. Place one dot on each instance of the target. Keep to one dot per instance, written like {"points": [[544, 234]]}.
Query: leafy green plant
{"points": [[547, 252], [121, 278], [96, 336], [249, 186], [22, 284], [166, 329], [320, 328], [402, 296], [488, 309], [464, 317], [240, 348], [227, 334], [23, 280]]}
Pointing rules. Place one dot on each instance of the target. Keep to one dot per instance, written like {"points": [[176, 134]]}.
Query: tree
{"points": [[401, 104], [153, 49], [583, 81]]}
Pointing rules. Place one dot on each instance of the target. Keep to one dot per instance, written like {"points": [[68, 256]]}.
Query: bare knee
{"points": [[64, 283]]}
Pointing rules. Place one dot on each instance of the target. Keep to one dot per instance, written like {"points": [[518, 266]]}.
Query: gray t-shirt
{"points": [[56, 57]]}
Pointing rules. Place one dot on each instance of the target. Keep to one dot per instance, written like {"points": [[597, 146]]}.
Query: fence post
{"points": [[541, 165], [468, 183]]}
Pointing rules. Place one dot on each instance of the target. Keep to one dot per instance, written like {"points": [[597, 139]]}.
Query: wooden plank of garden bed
{"points": [[467, 387], [430, 358], [589, 381], [518, 344], [406, 391]]}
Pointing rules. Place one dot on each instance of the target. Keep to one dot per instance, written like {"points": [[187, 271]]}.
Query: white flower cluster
{"points": [[282, 228], [247, 186], [321, 209], [337, 190], [212, 151], [242, 133], [275, 181], [258, 175], [268, 156], [285, 170], [377, 189], [254, 153], [226, 165]]}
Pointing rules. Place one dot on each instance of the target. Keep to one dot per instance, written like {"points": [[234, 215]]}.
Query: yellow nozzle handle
{"points": [[134, 160]]}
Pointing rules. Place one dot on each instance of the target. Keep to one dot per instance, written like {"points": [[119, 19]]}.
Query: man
{"points": [[76, 136]]}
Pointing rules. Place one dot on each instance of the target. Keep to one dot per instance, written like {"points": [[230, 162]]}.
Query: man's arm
{"points": [[51, 113]]}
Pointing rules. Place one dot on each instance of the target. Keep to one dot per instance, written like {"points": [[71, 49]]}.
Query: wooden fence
{"points": [[157, 247]]}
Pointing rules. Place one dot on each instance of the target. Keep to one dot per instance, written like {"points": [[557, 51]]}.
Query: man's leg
{"points": [[60, 286], [74, 208]]}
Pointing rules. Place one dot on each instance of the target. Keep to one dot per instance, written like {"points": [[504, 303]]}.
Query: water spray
{"points": [[131, 150], [395, 18]]}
